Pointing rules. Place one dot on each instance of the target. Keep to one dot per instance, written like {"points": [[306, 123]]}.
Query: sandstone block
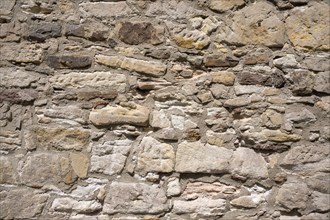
{"points": [[203, 189], [105, 9], [134, 198], [22, 53], [6, 6], [7, 170], [237, 102], [322, 82], [191, 39], [21, 203], [303, 82], [223, 5], [293, 195], [158, 119], [155, 156], [80, 164], [317, 63], [17, 78], [223, 77], [120, 115], [196, 157]]}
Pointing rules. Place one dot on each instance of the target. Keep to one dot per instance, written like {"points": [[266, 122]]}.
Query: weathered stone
{"points": [[7, 170], [237, 102], [94, 80], [272, 119], [196, 157], [247, 27], [315, 216], [105, 9], [88, 93], [9, 140], [245, 162], [319, 182], [69, 205], [173, 187], [205, 97], [134, 198], [260, 56], [76, 30], [58, 170], [142, 32], [38, 7], [220, 91], [288, 61], [303, 82], [18, 96], [155, 69], [59, 137], [69, 61], [139, 115], [110, 157], [43, 31], [22, 53], [155, 156], [190, 39], [223, 5], [244, 201], [299, 117], [21, 203], [321, 201], [278, 136], [322, 82], [220, 60], [17, 78], [308, 27], [6, 6], [223, 77], [80, 164], [250, 78], [317, 63], [293, 195], [219, 139], [202, 206], [158, 119], [201, 189]]}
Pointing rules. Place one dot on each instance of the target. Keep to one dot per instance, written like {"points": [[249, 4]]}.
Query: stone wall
{"points": [[164, 109]]}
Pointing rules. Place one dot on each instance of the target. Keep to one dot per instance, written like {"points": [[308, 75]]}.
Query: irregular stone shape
{"points": [[18, 96], [308, 27], [7, 171], [293, 195], [300, 117], [42, 31], [59, 137], [173, 187], [88, 93], [201, 189], [155, 69], [69, 61], [155, 156], [248, 89], [158, 119], [278, 136], [321, 201], [272, 119], [22, 53], [96, 79], [35, 173], [120, 115], [319, 182], [17, 78], [69, 205], [134, 198], [105, 9], [196, 157], [315, 216], [244, 201], [220, 91], [223, 77], [260, 56], [322, 82], [237, 102], [191, 39], [6, 6], [254, 78], [21, 203], [110, 157], [247, 27], [288, 61], [224, 5], [317, 63], [202, 206], [245, 162], [220, 60], [38, 7], [303, 82], [305, 154], [80, 164], [138, 33], [9, 140]]}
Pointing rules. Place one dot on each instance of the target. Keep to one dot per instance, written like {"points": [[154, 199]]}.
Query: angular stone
{"points": [[22, 53], [260, 56], [196, 157], [272, 119], [244, 201], [18, 96], [142, 32], [21, 203], [38, 7], [42, 31], [278, 136], [319, 182], [246, 27], [321, 201], [109, 158], [155, 156], [158, 119], [59, 137], [254, 78], [223, 77], [237, 102], [6, 6], [96, 79], [7, 170], [35, 173], [80, 164], [224, 5], [88, 93], [322, 82], [288, 61], [17, 78], [69, 205], [105, 9], [69, 61], [155, 69], [134, 198], [202, 206], [120, 115], [299, 117], [303, 82], [220, 91], [245, 162], [308, 27], [317, 63], [293, 195], [173, 187], [190, 39], [220, 60], [9, 140], [202, 189]]}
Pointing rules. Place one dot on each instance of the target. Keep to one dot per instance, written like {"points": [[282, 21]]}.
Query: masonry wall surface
{"points": [[164, 109]]}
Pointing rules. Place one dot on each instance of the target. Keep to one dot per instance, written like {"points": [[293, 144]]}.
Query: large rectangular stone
{"points": [[105, 9]]}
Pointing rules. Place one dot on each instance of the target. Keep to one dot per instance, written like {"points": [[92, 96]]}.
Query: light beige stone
{"points": [[7, 171], [293, 195], [69, 205], [105, 9], [223, 77], [80, 164], [224, 5], [17, 78]]}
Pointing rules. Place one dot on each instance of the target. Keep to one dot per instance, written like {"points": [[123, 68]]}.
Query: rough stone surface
{"points": [[105, 9]]}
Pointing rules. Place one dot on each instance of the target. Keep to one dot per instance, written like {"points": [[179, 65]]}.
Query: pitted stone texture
{"points": [[96, 79], [224, 5], [322, 82], [6, 6], [303, 82], [28, 202], [155, 156], [308, 27], [158, 119], [23, 53], [18, 96], [17, 78], [38, 6], [248, 27], [7, 170], [245, 162], [120, 115], [223, 77], [318, 63], [105, 9], [42, 31], [75, 61], [191, 39], [110, 157], [72, 205], [151, 68], [196, 157], [220, 60], [215, 189], [134, 198]]}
